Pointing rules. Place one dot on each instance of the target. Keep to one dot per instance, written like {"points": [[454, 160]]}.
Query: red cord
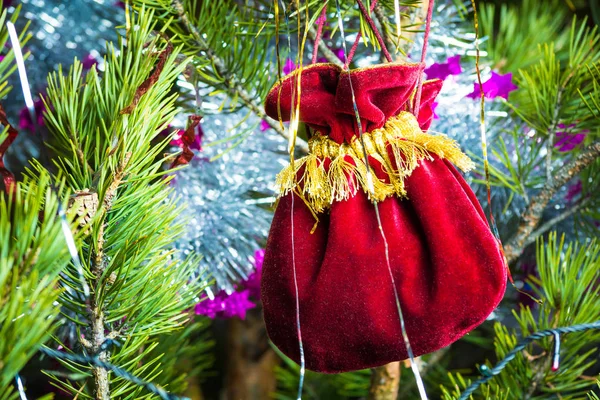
{"points": [[321, 22], [366, 15], [417, 104]]}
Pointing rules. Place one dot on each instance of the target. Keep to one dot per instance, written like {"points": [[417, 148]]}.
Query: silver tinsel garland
{"points": [[227, 200]]}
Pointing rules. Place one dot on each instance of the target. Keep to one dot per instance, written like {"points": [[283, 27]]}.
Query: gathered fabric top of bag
{"points": [[395, 140]]}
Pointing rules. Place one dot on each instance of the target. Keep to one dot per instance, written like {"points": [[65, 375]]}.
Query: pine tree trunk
{"points": [[385, 382], [102, 387], [250, 359]]}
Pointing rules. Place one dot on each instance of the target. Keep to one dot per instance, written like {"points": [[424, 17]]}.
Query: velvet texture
{"points": [[446, 263]]}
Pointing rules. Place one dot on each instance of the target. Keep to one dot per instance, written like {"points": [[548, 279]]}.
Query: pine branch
{"points": [[545, 227], [534, 211], [140, 285], [32, 255], [234, 88], [383, 22]]}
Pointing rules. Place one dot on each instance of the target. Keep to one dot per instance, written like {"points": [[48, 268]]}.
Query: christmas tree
{"points": [[138, 195]]}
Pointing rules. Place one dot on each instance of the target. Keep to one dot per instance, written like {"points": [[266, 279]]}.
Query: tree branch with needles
{"points": [[533, 214], [234, 87]]}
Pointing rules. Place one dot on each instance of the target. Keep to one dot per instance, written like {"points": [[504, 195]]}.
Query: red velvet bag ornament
{"points": [[446, 263]]}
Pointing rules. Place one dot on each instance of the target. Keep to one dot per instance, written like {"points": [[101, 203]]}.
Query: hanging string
{"points": [[417, 105], [486, 164], [14, 39], [20, 387], [490, 373], [409, 351], [556, 355], [371, 23], [293, 132], [320, 24], [350, 55]]}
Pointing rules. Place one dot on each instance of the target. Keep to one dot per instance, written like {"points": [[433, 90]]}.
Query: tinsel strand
{"points": [[490, 373], [121, 373]]}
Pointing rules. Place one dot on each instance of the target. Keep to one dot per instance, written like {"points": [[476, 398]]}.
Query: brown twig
{"points": [[101, 381], [532, 215], [546, 226], [234, 87], [383, 22]]}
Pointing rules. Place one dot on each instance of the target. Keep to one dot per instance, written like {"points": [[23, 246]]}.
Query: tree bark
{"points": [[250, 359], [385, 382], [533, 214]]}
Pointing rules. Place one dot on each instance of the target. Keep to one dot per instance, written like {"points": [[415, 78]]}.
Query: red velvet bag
{"points": [[446, 263]]}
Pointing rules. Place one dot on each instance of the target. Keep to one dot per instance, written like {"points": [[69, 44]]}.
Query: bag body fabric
{"points": [[447, 265]]}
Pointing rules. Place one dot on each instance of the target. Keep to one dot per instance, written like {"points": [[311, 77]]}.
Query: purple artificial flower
{"points": [[210, 307], [6, 3], [340, 53], [566, 141], [444, 70], [573, 191], [119, 4], [264, 125], [225, 305], [322, 60], [433, 107], [237, 304], [289, 66], [88, 62], [25, 121], [252, 284], [497, 86]]}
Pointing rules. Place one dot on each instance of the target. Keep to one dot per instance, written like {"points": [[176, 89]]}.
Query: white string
{"points": [[14, 39], [413, 364], [20, 387], [291, 145]]}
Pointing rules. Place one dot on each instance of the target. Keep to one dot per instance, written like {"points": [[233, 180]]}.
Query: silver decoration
{"points": [[228, 200], [61, 30]]}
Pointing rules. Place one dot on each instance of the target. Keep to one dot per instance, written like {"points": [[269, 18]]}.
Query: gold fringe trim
{"points": [[409, 145]]}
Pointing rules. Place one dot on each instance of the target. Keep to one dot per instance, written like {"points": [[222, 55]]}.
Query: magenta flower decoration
{"points": [[497, 86], [566, 141], [210, 308], [340, 54], [433, 107], [120, 4], [288, 66], [225, 305], [237, 303], [444, 70], [264, 125], [573, 191], [88, 62], [25, 121], [253, 281]]}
